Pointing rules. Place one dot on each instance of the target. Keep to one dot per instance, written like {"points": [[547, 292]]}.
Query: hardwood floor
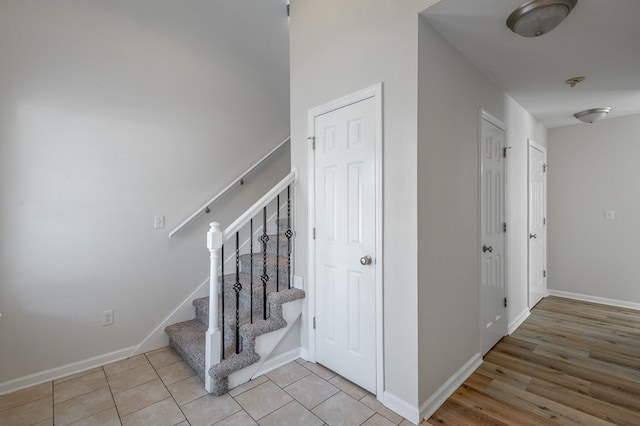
{"points": [[569, 363]]}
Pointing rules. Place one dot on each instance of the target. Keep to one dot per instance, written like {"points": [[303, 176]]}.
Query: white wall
{"points": [[521, 126], [337, 48], [111, 113], [451, 93], [592, 168]]}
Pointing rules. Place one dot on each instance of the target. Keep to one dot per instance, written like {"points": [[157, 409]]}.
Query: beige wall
{"points": [[593, 168], [112, 112]]}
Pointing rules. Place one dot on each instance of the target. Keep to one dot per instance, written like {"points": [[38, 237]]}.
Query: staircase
{"points": [[256, 303]]}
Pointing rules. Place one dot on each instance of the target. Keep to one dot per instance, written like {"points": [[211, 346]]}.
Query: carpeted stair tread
{"points": [[188, 339]]}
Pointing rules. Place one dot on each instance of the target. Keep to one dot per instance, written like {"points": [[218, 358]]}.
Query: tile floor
{"points": [[158, 388]]}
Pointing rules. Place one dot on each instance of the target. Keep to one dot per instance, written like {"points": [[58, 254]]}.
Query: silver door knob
{"points": [[487, 249], [533, 236], [366, 260]]}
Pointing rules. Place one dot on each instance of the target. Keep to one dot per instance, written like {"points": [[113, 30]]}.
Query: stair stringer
{"points": [[259, 341]]}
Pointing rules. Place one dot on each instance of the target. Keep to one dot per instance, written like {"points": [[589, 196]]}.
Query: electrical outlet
{"points": [[107, 317], [158, 222]]}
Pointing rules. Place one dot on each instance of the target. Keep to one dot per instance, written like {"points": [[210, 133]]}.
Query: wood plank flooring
{"points": [[569, 363]]}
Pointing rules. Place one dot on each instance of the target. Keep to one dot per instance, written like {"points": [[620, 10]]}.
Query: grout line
{"points": [[112, 397]]}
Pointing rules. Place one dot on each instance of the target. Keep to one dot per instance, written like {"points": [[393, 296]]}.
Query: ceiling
{"points": [[599, 40]]}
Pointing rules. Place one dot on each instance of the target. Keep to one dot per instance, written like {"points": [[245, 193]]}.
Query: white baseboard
{"points": [[595, 299], [516, 323], [184, 312], [401, 407], [449, 387], [279, 361], [65, 370]]}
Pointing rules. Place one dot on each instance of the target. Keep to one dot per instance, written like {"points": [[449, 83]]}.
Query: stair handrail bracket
{"points": [[214, 335]]}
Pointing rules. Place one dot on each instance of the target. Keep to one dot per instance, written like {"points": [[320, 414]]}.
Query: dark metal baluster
{"points": [[278, 243], [251, 264], [222, 297], [288, 233], [265, 278], [237, 288]]}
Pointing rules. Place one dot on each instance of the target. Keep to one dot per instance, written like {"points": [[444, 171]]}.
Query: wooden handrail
{"points": [[213, 200]]}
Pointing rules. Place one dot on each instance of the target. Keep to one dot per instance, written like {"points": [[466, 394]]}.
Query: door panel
{"points": [[492, 251], [537, 225], [345, 233]]}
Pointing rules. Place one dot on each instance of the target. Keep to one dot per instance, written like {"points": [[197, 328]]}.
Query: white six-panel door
{"points": [[537, 224], [492, 234], [345, 242]]}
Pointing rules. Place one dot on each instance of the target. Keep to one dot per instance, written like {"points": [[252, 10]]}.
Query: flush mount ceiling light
{"points": [[538, 17], [591, 115]]}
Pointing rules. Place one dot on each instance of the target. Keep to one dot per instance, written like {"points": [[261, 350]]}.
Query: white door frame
{"points": [[532, 143], [375, 92], [486, 115]]}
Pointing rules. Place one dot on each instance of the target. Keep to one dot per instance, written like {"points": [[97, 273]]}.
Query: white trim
{"points": [[595, 299], [519, 320], [375, 92], [447, 389], [183, 312], [490, 118], [402, 407], [533, 144], [65, 370], [278, 361]]}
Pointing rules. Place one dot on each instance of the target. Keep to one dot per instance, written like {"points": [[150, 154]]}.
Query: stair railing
{"points": [[206, 207], [216, 238]]}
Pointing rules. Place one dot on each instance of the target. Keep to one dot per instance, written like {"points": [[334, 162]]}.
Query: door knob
{"points": [[366, 260], [487, 249], [533, 235]]}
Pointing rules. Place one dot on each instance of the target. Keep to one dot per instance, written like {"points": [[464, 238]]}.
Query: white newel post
{"points": [[214, 336]]}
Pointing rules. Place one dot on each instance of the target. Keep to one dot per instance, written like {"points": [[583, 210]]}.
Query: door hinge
{"points": [[288, 11], [505, 302], [314, 323], [504, 227], [544, 168], [313, 233], [504, 151], [544, 274], [313, 142], [544, 220]]}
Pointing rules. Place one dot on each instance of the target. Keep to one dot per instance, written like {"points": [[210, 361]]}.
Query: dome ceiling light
{"points": [[591, 115], [538, 17]]}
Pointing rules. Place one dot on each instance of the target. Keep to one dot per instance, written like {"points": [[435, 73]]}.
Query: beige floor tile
{"points": [[291, 414], [319, 370], [76, 375], [107, 417], [185, 423], [187, 390], [311, 390], [300, 361], [163, 413], [25, 396], [82, 406], [378, 420], [48, 422], [341, 409], [371, 402], [241, 418], [263, 399], [287, 374], [125, 364], [406, 422], [175, 372], [141, 396], [29, 413], [247, 386], [84, 383], [210, 409], [163, 357], [131, 378], [348, 387]]}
